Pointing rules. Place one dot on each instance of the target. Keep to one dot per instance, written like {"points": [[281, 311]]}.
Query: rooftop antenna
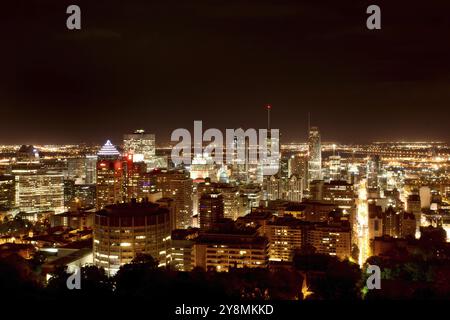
{"points": [[309, 121], [268, 107]]}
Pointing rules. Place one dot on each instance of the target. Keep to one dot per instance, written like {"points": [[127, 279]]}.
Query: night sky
{"points": [[160, 65]]}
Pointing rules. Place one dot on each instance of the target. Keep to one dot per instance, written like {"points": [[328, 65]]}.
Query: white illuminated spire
{"points": [[108, 149]]}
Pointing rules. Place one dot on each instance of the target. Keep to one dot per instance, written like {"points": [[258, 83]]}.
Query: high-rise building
{"points": [[285, 237], [178, 186], [340, 193], [232, 201], [40, 191], [336, 192], [85, 195], [221, 251], [90, 169], [316, 190], [413, 206], [413, 203], [375, 221], [293, 189], [425, 197], [373, 172], [210, 209], [290, 189], [407, 225], [69, 192], [7, 192], [38, 187], [135, 174], [390, 222], [284, 171], [82, 169], [331, 239], [298, 165], [273, 163], [110, 176], [180, 254], [273, 188], [141, 146], [314, 155], [122, 231], [253, 195], [335, 167], [76, 169], [396, 224], [79, 196]]}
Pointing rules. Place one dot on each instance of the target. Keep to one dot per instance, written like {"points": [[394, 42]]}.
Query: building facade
{"points": [[122, 231], [314, 155], [110, 180]]}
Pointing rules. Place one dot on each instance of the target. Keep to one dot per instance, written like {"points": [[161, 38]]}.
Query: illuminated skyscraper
{"points": [[314, 155], [82, 169], [290, 189], [40, 191], [210, 209], [239, 166], [231, 249], [7, 192], [178, 186], [38, 187], [288, 234], [232, 201], [298, 165], [413, 206], [293, 189], [76, 169], [84, 196], [373, 171], [335, 167], [110, 176], [135, 177], [142, 146], [285, 236], [273, 188], [271, 164], [90, 169], [331, 239]]}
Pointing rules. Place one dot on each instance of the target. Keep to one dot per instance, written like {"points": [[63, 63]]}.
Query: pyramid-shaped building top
{"points": [[108, 150]]}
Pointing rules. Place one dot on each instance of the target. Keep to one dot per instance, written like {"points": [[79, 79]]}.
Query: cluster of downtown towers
{"points": [[200, 215]]}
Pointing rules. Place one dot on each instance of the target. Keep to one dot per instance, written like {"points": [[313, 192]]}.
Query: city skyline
{"points": [[203, 158], [111, 210]]}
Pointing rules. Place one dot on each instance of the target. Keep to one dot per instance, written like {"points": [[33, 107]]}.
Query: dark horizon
{"points": [[161, 65], [160, 144]]}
